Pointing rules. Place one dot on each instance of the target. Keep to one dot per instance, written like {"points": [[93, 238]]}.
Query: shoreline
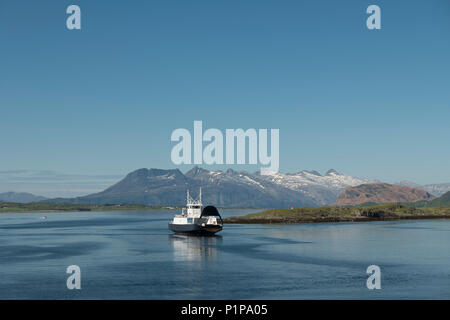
{"points": [[382, 212], [42, 207], [232, 220]]}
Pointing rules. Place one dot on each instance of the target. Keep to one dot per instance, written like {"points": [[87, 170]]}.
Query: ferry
{"points": [[194, 219]]}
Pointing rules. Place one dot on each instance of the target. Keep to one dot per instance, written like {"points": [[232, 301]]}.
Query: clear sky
{"points": [[103, 101]]}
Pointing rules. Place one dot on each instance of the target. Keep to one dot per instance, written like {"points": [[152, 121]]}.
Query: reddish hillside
{"points": [[381, 193]]}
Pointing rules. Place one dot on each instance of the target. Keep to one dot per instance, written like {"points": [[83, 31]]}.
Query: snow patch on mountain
{"points": [[321, 187]]}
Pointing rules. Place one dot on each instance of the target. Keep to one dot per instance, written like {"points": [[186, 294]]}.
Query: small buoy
{"points": [[44, 217]]}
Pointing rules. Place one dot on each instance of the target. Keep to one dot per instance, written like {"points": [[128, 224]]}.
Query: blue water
{"points": [[132, 255]]}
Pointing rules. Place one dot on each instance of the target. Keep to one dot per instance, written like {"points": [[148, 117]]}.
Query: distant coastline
{"points": [[12, 207], [382, 212]]}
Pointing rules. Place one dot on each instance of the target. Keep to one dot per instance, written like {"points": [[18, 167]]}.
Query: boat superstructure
{"points": [[195, 219]]}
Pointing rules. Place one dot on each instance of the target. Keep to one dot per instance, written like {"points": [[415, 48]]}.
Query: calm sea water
{"points": [[132, 255]]}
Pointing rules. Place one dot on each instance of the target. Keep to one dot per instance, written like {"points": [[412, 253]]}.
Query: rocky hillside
{"points": [[442, 201], [376, 193]]}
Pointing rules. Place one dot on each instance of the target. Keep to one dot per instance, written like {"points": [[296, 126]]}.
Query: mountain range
{"points": [[159, 187], [224, 188], [20, 197], [437, 189]]}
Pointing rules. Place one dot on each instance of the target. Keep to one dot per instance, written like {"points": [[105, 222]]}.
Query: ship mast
{"points": [[191, 201]]}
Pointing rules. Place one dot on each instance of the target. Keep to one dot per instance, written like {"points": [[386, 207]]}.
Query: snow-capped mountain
{"points": [[225, 188], [323, 188]]}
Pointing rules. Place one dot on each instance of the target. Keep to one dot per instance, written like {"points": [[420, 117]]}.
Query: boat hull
{"points": [[193, 228]]}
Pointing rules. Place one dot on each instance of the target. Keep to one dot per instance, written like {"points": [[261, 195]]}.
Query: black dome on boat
{"points": [[210, 211]]}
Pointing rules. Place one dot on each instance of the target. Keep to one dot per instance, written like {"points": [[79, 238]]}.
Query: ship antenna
{"points": [[200, 195], [187, 195]]}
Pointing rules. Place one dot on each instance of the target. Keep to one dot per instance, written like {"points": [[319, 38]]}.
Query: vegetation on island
{"points": [[387, 211]]}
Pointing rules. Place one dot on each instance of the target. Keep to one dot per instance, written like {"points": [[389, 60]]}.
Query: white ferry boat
{"points": [[194, 219]]}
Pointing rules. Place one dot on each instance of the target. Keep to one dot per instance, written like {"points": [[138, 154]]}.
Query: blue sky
{"points": [[104, 100]]}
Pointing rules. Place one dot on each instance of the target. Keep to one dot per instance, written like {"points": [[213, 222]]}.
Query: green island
{"points": [[381, 212], [10, 207]]}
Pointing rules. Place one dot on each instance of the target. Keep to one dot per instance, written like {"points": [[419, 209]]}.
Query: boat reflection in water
{"points": [[191, 248]]}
